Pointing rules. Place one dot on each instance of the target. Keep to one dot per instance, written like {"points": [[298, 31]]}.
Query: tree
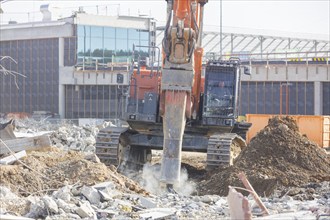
{"points": [[12, 73]]}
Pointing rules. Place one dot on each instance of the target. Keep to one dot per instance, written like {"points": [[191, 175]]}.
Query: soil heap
{"points": [[53, 168], [278, 156]]}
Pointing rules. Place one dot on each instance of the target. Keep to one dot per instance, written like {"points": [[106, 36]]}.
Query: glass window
{"points": [[84, 30], [133, 34], [80, 30], [121, 46], [131, 42], [109, 44], [96, 47], [96, 31], [326, 98], [144, 35], [121, 33], [109, 32]]}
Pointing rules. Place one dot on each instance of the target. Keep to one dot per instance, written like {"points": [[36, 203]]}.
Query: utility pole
{"points": [[220, 29]]}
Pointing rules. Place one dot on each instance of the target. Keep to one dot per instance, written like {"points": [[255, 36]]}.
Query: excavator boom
{"points": [[179, 86]]}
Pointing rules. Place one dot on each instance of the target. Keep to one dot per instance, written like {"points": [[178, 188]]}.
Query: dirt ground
{"points": [[277, 156], [54, 168]]}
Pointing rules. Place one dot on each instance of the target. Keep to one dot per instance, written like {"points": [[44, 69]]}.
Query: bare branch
{"points": [[10, 72]]}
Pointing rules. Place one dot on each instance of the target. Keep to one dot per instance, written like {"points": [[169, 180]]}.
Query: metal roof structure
{"points": [[245, 44]]}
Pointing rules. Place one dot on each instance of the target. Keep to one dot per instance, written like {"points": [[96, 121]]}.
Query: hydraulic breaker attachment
{"points": [[174, 120]]}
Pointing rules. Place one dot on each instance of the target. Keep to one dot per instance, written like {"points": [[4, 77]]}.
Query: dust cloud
{"points": [[149, 179]]}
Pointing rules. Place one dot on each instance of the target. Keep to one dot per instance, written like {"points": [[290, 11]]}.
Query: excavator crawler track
{"points": [[107, 143], [222, 149]]}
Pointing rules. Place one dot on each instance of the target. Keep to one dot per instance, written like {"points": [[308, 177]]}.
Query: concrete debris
{"points": [[37, 209], [239, 206], [13, 158], [63, 193], [68, 184], [157, 213], [29, 143], [248, 186], [133, 206], [92, 157], [50, 204], [91, 194], [13, 217], [86, 211], [5, 193]]}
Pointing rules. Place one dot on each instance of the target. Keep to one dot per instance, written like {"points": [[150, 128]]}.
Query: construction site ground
{"points": [[289, 172]]}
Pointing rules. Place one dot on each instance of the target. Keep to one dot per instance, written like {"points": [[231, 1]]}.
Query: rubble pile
{"points": [[277, 156], [54, 168], [104, 201], [63, 134], [68, 181], [75, 137]]}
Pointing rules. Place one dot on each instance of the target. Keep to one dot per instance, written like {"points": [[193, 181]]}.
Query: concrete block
{"points": [[63, 193], [157, 213], [91, 194], [85, 211], [13, 158], [92, 157], [13, 217], [105, 196], [147, 203], [101, 186], [67, 207], [238, 205], [50, 204]]}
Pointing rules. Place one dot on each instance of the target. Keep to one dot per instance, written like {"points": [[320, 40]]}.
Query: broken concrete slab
{"points": [[13, 217], [50, 204], [63, 193], [147, 203], [33, 143], [13, 158], [5, 193], [105, 213], [238, 205], [91, 194], [37, 208], [157, 213], [101, 186], [105, 196], [86, 211], [7, 130], [63, 216], [67, 207], [303, 215], [92, 157], [144, 202]]}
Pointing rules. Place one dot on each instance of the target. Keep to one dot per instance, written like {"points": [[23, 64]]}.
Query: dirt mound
{"points": [[277, 156], [55, 168]]}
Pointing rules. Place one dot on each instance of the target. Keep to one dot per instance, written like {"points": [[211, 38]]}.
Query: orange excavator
{"points": [[177, 108]]}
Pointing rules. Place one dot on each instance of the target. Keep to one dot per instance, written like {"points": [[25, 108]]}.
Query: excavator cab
{"points": [[221, 93]]}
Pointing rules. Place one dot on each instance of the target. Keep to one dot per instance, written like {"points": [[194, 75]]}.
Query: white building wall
{"points": [[316, 73]]}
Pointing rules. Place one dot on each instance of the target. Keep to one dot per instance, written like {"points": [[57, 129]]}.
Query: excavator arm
{"points": [[181, 78]]}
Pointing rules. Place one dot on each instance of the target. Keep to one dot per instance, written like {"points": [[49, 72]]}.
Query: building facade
{"points": [[78, 67], [75, 67], [287, 87]]}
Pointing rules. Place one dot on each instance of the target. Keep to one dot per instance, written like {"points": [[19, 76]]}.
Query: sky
{"points": [[276, 17]]}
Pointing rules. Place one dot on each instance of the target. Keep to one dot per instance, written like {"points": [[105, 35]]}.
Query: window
{"points": [[103, 45]]}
